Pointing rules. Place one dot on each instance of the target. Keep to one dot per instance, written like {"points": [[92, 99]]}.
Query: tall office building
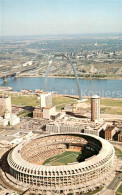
{"points": [[46, 100], [95, 108], [5, 104]]}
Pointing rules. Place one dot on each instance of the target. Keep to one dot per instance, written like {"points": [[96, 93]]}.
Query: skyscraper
{"points": [[45, 100], [5, 104], [95, 108]]}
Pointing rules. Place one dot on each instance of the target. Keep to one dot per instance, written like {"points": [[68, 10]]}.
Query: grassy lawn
{"points": [[110, 102], [63, 159], [119, 191], [25, 101], [1, 130], [25, 113], [93, 192], [58, 101], [118, 152], [112, 110], [108, 106], [61, 101]]}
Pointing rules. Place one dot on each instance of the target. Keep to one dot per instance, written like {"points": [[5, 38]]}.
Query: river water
{"points": [[104, 88]]}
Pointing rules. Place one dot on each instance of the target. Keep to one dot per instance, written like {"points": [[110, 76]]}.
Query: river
{"points": [[103, 88]]}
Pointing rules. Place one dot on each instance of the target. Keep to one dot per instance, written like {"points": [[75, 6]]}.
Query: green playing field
{"points": [[63, 159]]}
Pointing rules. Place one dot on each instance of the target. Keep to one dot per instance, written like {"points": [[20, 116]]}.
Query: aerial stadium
{"points": [[61, 162]]}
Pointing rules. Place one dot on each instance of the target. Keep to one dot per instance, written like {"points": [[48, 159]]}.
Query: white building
{"points": [[29, 135], [16, 141], [14, 119], [46, 100], [47, 112], [29, 63], [63, 128], [3, 122], [5, 104], [7, 115]]}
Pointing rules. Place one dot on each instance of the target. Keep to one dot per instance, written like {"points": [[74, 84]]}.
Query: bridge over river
{"points": [[16, 72]]}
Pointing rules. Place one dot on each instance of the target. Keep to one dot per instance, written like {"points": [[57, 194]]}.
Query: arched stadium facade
{"points": [[24, 163]]}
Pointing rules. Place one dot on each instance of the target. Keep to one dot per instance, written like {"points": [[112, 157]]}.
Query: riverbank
{"points": [[72, 77]]}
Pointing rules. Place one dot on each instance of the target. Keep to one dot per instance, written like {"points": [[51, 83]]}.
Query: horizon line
{"points": [[65, 34]]}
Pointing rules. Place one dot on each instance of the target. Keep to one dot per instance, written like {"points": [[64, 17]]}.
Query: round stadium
{"points": [[61, 162]]}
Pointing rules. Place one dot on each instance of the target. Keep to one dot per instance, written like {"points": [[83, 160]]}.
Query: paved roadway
{"points": [[115, 182]]}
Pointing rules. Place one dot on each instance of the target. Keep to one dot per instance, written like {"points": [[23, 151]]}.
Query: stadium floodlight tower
{"points": [[74, 70]]}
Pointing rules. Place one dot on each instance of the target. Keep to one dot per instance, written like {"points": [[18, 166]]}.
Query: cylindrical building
{"points": [[95, 108]]}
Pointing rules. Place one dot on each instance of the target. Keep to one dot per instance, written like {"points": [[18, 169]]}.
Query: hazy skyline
{"points": [[39, 17]]}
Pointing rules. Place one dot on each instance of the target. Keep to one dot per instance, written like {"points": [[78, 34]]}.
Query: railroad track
{"points": [[115, 182]]}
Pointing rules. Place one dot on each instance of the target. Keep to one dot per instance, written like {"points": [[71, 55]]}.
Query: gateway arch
{"points": [[74, 70]]}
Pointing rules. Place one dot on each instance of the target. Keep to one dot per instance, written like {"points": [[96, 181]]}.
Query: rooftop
{"points": [[95, 97]]}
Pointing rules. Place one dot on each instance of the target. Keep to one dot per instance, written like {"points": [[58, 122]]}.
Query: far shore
{"points": [[72, 77]]}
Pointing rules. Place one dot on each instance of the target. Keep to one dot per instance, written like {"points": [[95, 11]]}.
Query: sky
{"points": [[50, 17]]}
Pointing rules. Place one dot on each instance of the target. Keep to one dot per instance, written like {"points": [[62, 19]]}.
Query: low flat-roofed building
{"points": [[9, 140], [68, 108], [38, 113], [3, 122], [91, 131], [47, 112], [110, 132], [14, 119], [63, 127], [55, 115], [120, 137], [71, 124], [14, 137]]}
